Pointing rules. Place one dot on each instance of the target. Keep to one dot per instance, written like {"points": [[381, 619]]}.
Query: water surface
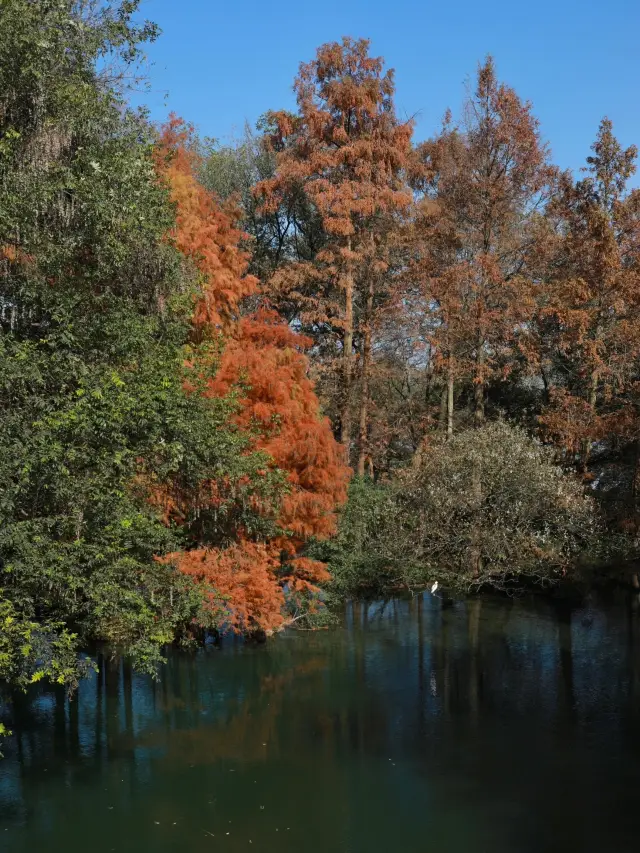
{"points": [[498, 726]]}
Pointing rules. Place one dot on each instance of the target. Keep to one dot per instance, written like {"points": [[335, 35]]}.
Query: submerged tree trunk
{"points": [[363, 439], [474, 608]]}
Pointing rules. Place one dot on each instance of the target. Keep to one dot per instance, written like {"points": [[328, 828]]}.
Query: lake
{"points": [[505, 726]]}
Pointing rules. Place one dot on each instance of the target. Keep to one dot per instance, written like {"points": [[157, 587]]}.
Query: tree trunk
{"points": [[593, 399], [444, 399], [634, 479], [445, 418], [450, 398], [347, 357], [363, 439], [478, 389], [475, 550]]}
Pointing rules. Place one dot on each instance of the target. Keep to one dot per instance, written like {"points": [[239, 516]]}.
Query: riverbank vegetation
{"points": [[202, 344]]}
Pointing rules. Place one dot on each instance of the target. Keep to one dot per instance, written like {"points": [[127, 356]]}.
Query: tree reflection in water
{"points": [[490, 724]]}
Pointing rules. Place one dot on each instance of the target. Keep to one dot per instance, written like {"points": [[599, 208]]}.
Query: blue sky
{"points": [[219, 64]]}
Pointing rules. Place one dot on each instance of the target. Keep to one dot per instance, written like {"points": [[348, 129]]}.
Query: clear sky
{"points": [[218, 64]]}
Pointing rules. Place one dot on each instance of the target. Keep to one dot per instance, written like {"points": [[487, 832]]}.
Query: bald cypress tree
{"points": [[345, 151]]}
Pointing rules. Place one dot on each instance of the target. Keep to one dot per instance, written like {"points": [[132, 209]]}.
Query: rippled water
{"points": [[487, 726]]}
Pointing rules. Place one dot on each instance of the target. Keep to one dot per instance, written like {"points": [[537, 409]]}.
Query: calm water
{"points": [[488, 726]]}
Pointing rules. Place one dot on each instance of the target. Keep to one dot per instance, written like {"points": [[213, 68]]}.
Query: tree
{"points": [[344, 151], [262, 363], [483, 185], [531, 522], [589, 307], [367, 556], [205, 231], [274, 238]]}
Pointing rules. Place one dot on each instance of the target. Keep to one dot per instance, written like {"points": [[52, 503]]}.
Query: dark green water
{"points": [[498, 727]]}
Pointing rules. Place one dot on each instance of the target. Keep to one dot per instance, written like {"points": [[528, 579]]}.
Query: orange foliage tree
{"points": [[589, 315], [263, 363], [344, 152], [483, 183], [206, 231]]}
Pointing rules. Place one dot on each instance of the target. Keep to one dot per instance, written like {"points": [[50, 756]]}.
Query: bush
{"points": [[364, 558], [487, 508], [490, 507]]}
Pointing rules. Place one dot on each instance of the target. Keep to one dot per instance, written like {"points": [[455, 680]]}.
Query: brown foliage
{"points": [[263, 360], [345, 151], [483, 183], [278, 401], [206, 231], [589, 314]]}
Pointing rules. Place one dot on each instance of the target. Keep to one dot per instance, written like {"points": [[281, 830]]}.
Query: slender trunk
{"points": [[593, 399], [450, 398], [478, 389], [545, 382], [347, 357], [634, 478], [366, 371], [444, 399], [593, 392], [475, 550]]}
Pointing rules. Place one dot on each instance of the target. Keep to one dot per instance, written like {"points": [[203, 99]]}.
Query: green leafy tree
{"points": [[98, 408], [364, 558], [292, 233]]}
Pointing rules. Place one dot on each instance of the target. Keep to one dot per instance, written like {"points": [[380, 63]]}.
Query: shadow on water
{"points": [[502, 726]]}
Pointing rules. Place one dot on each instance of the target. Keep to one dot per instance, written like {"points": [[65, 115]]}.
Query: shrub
{"points": [[490, 507], [487, 508], [366, 558]]}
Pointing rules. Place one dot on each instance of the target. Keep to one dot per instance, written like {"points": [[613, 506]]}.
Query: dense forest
{"points": [[240, 382]]}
